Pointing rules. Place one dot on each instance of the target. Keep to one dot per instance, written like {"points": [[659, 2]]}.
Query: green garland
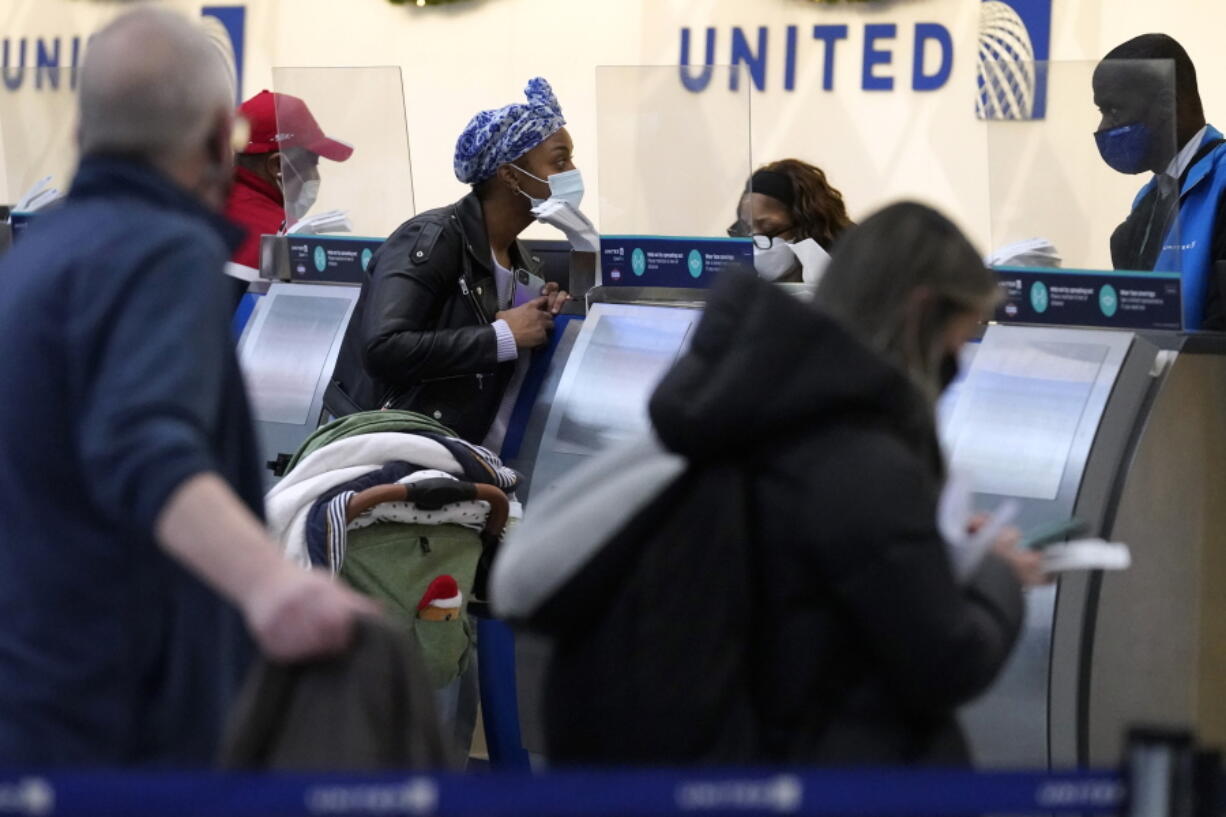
{"points": [[423, 3]]}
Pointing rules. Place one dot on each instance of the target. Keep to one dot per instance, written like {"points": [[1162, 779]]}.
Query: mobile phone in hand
{"points": [[1052, 533]]}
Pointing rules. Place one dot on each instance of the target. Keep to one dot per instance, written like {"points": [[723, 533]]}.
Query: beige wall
{"points": [[876, 146]]}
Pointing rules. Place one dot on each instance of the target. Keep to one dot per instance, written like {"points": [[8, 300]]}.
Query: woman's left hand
{"points": [[557, 297]]}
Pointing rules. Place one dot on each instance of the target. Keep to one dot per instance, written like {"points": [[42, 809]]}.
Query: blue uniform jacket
{"points": [[119, 382], [1189, 247]]}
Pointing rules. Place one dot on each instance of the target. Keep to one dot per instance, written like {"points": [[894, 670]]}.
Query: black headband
{"points": [[773, 184]]}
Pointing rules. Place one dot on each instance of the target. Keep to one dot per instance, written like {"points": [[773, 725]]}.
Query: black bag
{"points": [[653, 637]]}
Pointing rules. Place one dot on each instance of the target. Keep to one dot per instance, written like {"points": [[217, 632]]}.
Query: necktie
{"points": [[1136, 244]]}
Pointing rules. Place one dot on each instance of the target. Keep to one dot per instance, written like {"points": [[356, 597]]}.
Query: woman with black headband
{"points": [[794, 216]]}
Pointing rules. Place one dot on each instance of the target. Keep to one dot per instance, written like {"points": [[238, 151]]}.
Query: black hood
{"points": [[764, 366]]}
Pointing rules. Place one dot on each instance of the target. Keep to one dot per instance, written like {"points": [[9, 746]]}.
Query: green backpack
{"points": [[396, 563]]}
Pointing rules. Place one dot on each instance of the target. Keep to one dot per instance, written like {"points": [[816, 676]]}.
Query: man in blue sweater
{"points": [[131, 547]]}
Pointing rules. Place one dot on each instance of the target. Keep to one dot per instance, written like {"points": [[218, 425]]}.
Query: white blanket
{"points": [[290, 500]]}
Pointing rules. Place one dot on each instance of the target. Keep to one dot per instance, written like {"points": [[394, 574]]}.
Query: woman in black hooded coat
{"points": [[863, 643]]}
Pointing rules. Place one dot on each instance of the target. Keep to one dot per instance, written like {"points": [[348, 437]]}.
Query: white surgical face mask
{"points": [[566, 186], [300, 194], [306, 197], [774, 262]]}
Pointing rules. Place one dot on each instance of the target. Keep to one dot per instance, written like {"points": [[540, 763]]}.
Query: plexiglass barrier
{"points": [[672, 163], [1062, 187], [37, 133], [345, 149]]}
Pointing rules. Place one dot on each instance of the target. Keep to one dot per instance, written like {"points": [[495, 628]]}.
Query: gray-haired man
{"points": [[129, 492]]}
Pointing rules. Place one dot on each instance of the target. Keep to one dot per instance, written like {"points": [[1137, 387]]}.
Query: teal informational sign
{"points": [[670, 261], [331, 259], [1112, 299]]}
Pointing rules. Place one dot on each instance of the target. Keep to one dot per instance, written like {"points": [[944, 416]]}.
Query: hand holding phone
{"points": [[526, 288], [1053, 532]]}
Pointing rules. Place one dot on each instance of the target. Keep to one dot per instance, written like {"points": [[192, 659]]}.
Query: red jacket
{"points": [[259, 208]]}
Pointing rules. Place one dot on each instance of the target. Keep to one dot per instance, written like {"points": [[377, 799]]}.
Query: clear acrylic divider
{"points": [[673, 164], [344, 128], [1092, 187], [38, 118], [1055, 201]]}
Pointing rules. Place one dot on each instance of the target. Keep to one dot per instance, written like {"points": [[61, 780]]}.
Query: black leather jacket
{"points": [[420, 337]]}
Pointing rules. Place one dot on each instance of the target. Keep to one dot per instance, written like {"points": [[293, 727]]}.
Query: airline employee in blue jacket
{"points": [[1188, 160]]}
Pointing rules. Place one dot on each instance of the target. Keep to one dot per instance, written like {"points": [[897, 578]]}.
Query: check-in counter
{"points": [[1121, 428]]}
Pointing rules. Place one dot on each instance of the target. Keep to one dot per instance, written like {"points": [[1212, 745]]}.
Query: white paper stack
{"points": [[577, 227], [813, 260], [37, 197], [1086, 554], [331, 221], [1032, 252]]}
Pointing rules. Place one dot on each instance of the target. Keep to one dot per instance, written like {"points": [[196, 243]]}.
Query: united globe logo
{"points": [[695, 264], [321, 259], [638, 262], [1014, 44], [366, 256], [1038, 297], [1108, 301]]}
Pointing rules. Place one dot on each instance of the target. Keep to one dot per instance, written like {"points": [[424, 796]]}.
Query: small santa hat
{"points": [[443, 592]]}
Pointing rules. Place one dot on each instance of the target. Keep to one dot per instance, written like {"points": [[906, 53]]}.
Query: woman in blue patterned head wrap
{"points": [[499, 137], [452, 301]]}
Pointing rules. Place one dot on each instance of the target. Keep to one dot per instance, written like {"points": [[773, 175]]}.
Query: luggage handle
{"points": [[439, 492]]}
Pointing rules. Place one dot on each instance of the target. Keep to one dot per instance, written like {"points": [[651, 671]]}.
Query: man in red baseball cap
{"points": [[275, 174]]}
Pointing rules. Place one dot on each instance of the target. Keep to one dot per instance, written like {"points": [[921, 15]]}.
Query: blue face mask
{"points": [[1127, 148], [567, 186]]}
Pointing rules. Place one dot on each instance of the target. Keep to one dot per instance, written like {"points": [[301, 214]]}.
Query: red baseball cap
{"points": [[281, 121]]}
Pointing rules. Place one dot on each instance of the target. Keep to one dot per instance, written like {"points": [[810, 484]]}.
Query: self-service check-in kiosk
{"points": [[1078, 422]]}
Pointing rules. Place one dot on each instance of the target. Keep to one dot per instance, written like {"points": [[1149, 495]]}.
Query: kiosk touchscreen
{"points": [[618, 357]]}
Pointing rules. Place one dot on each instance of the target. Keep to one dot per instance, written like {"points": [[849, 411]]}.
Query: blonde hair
{"points": [[878, 268]]}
